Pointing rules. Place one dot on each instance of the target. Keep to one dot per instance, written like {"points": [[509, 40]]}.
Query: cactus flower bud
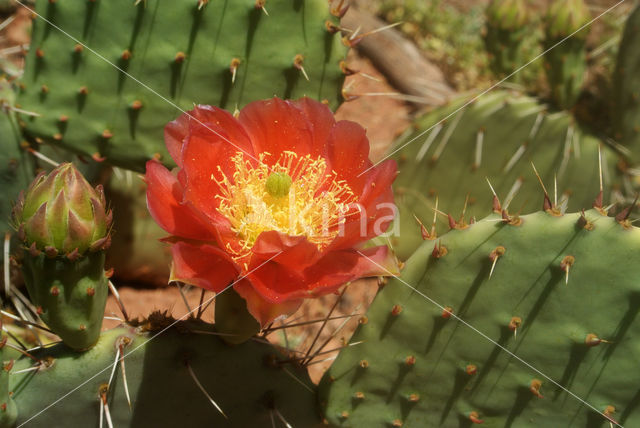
{"points": [[507, 14], [61, 213], [565, 17], [64, 224]]}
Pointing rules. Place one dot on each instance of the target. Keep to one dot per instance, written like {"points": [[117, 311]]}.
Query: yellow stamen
{"points": [[296, 195]]}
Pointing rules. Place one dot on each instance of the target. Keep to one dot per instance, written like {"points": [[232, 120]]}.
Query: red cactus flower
{"points": [[282, 198]]}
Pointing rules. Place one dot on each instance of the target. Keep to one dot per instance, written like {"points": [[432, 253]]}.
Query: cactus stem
{"points": [[204, 391], [494, 256], [565, 265]]}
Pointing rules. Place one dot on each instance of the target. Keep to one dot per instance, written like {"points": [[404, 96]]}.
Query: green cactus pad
{"points": [[247, 382], [497, 137], [578, 328], [626, 97], [224, 52], [70, 294], [16, 169]]}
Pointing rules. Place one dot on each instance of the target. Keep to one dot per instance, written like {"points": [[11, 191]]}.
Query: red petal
{"points": [[164, 194], [211, 122], [340, 267], [202, 157], [275, 282], [376, 207], [292, 252], [202, 265], [322, 122], [262, 310], [349, 154], [275, 126]]}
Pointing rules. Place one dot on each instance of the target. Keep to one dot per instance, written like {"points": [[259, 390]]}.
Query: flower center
{"points": [[278, 184], [296, 195]]}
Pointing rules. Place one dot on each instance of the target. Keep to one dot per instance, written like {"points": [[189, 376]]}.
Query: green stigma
{"points": [[278, 184]]}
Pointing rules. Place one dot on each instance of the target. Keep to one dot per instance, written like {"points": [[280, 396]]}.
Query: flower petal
{"points": [[322, 122], [340, 267], [262, 310], [349, 154], [202, 265], [376, 205], [209, 120], [275, 126], [164, 194], [292, 252]]}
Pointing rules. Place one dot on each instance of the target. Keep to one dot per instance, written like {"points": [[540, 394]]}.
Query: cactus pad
{"points": [[559, 292], [497, 137], [225, 53], [247, 382]]}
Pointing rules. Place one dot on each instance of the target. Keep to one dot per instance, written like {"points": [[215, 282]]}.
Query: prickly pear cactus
{"points": [[8, 409], [497, 138], [225, 53], [16, 169], [136, 253], [565, 61], [505, 32], [65, 228], [626, 97], [559, 292], [169, 379]]}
